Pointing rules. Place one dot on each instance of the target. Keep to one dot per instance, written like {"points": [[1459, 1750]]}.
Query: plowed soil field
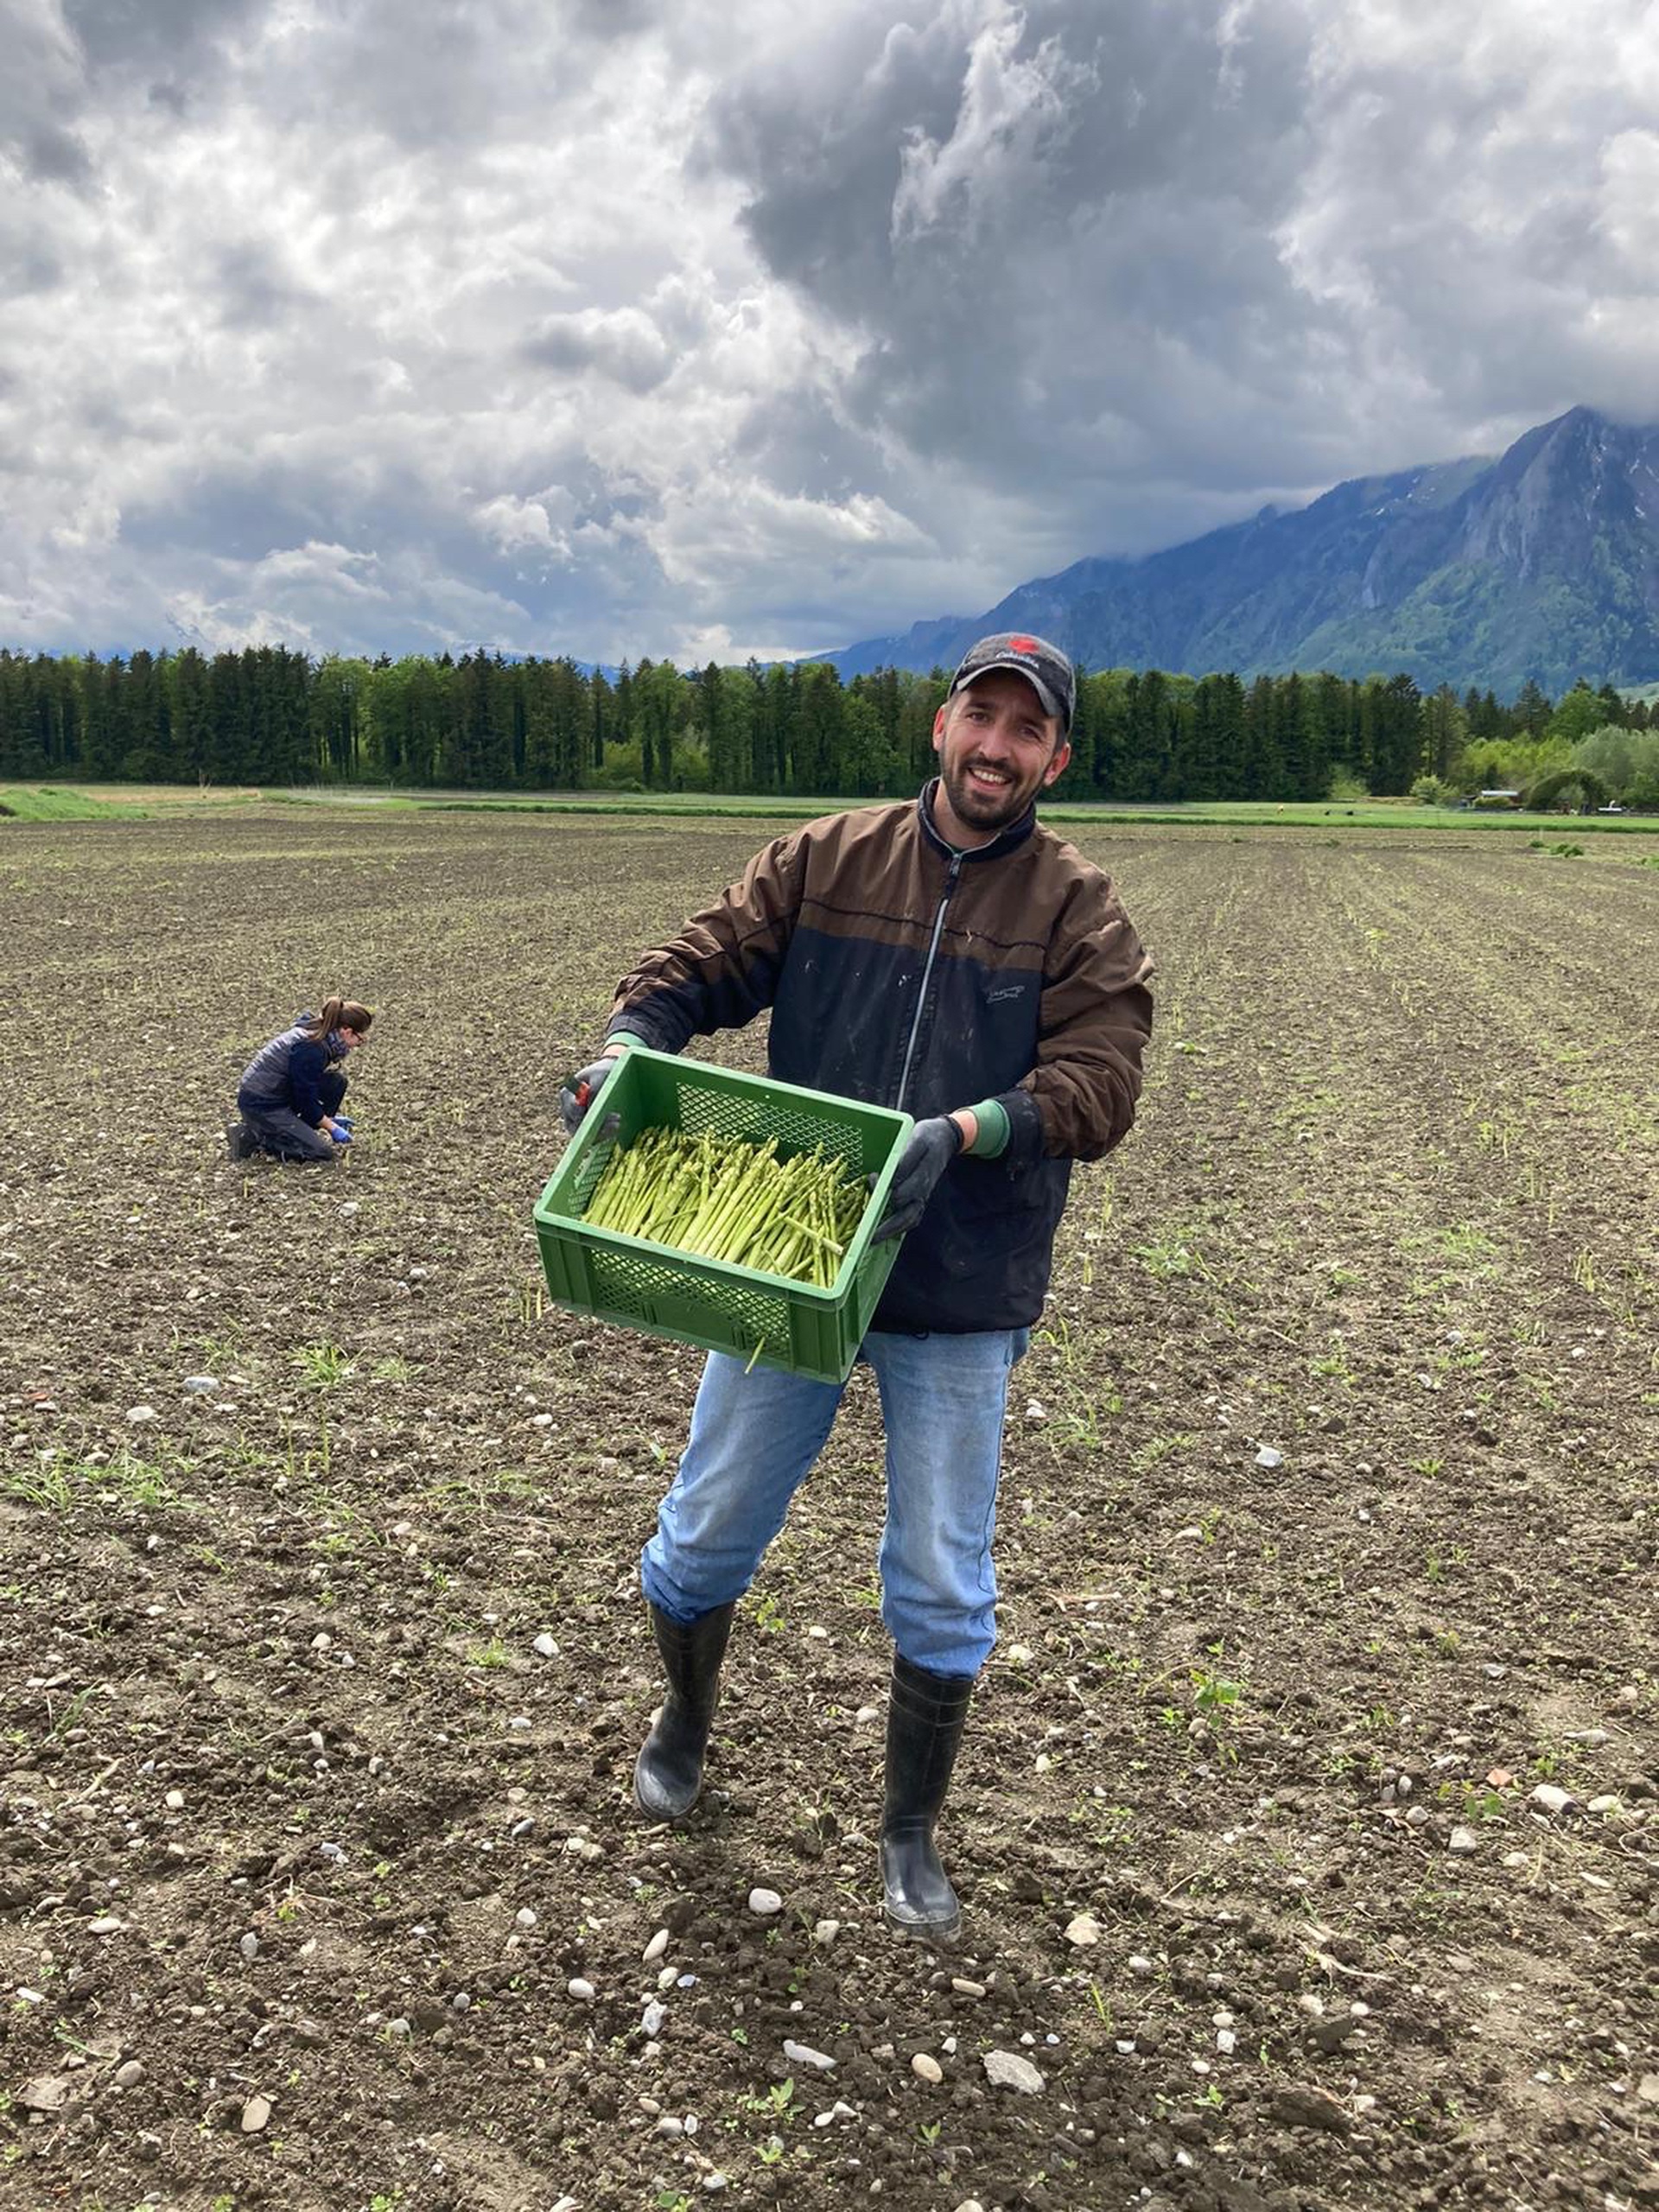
{"points": [[1307, 1820]]}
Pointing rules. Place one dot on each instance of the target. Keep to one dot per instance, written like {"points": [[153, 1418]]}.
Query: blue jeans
{"points": [[755, 1437]]}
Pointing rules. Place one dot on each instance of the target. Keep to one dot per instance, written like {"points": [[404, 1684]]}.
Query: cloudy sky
{"points": [[703, 328]]}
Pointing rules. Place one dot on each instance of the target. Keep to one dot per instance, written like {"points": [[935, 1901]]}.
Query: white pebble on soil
{"points": [[658, 1945], [802, 2054], [255, 2115], [765, 1902], [926, 2068], [582, 1991], [1083, 1930], [1005, 2069]]}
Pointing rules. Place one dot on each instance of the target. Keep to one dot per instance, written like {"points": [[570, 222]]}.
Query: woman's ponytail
{"points": [[339, 1013]]}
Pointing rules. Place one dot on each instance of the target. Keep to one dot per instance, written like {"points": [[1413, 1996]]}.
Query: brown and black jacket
{"points": [[908, 974]]}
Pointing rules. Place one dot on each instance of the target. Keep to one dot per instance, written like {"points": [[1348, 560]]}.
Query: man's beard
{"points": [[983, 809]]}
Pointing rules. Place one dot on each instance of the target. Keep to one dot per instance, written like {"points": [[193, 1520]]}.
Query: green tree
{"points": [[820, 723], [606, 723], [661, 712], [1625, 761], [725, 717], [1263, 772], [336, 691], [1391, 734], [1531, 711], [773, 737], [869, 762], [185, 679], [1445, 732], [1580, 711], [919, 700]]}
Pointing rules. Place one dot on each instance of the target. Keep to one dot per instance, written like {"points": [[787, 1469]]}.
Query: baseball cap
{"points": [[1045, 667]]}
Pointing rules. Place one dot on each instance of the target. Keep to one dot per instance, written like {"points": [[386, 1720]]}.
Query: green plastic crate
{"points": [[762, 1318]]}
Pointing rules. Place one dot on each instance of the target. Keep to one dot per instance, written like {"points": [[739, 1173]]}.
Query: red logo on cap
{"points": [[1022, 645]]}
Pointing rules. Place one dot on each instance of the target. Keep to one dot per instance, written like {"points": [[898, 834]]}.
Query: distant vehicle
{"points": [[1614, 809]]}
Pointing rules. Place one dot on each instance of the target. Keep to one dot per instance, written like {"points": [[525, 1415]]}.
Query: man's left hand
{"points": [[933, 1145]]}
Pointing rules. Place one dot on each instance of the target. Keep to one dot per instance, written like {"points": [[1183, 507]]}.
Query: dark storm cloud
{"points": [[173, 49], [254, 291], [54, 156], [627, 347], [154, 35], [235, 513], [1052, 230], [799, 441], [610, 19], [39, 86]]}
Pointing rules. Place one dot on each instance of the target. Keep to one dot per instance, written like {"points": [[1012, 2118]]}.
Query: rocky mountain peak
{"points": [[1542, 563]]}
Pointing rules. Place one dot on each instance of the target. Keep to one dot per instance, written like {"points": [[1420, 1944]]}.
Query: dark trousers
{"points": [[279, 1129]]}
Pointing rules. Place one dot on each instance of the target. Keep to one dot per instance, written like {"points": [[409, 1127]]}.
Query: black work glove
{"points": [[933, 1145], [577, 1092]]}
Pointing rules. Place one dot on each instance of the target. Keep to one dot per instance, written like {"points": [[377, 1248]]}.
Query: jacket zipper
{"points": [[952, 874]]}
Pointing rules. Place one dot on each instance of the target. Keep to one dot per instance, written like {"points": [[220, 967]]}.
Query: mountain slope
{"points": [[1542, 563]]}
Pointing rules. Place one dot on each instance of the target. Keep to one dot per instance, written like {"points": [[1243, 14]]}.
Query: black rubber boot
{"points": [[668, 1774], [240, 1141], [926, 1714]]}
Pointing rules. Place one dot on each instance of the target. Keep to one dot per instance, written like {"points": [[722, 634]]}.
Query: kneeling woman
{"points": [[293, 1088]]}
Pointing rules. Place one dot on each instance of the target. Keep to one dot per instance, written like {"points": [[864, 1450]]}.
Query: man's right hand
{"points": [[577, 1092]]}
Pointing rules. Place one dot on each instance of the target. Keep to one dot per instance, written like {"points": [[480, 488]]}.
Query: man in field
{"points": [[952, 957]]}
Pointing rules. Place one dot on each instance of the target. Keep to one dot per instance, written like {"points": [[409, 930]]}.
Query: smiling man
{"points": [[953, 957]]}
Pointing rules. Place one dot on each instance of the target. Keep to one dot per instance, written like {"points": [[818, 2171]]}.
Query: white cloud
{"points": [[996, 148], [626, 328]]}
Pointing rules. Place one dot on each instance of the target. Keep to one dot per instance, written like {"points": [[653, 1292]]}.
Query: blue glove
{"points": [[342, 1136], [933, 1145], [577, 1092], [342, 1122]]}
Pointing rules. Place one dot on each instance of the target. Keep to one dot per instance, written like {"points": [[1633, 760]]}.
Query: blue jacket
{"points": [[286, 1072], [903, 973]]}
